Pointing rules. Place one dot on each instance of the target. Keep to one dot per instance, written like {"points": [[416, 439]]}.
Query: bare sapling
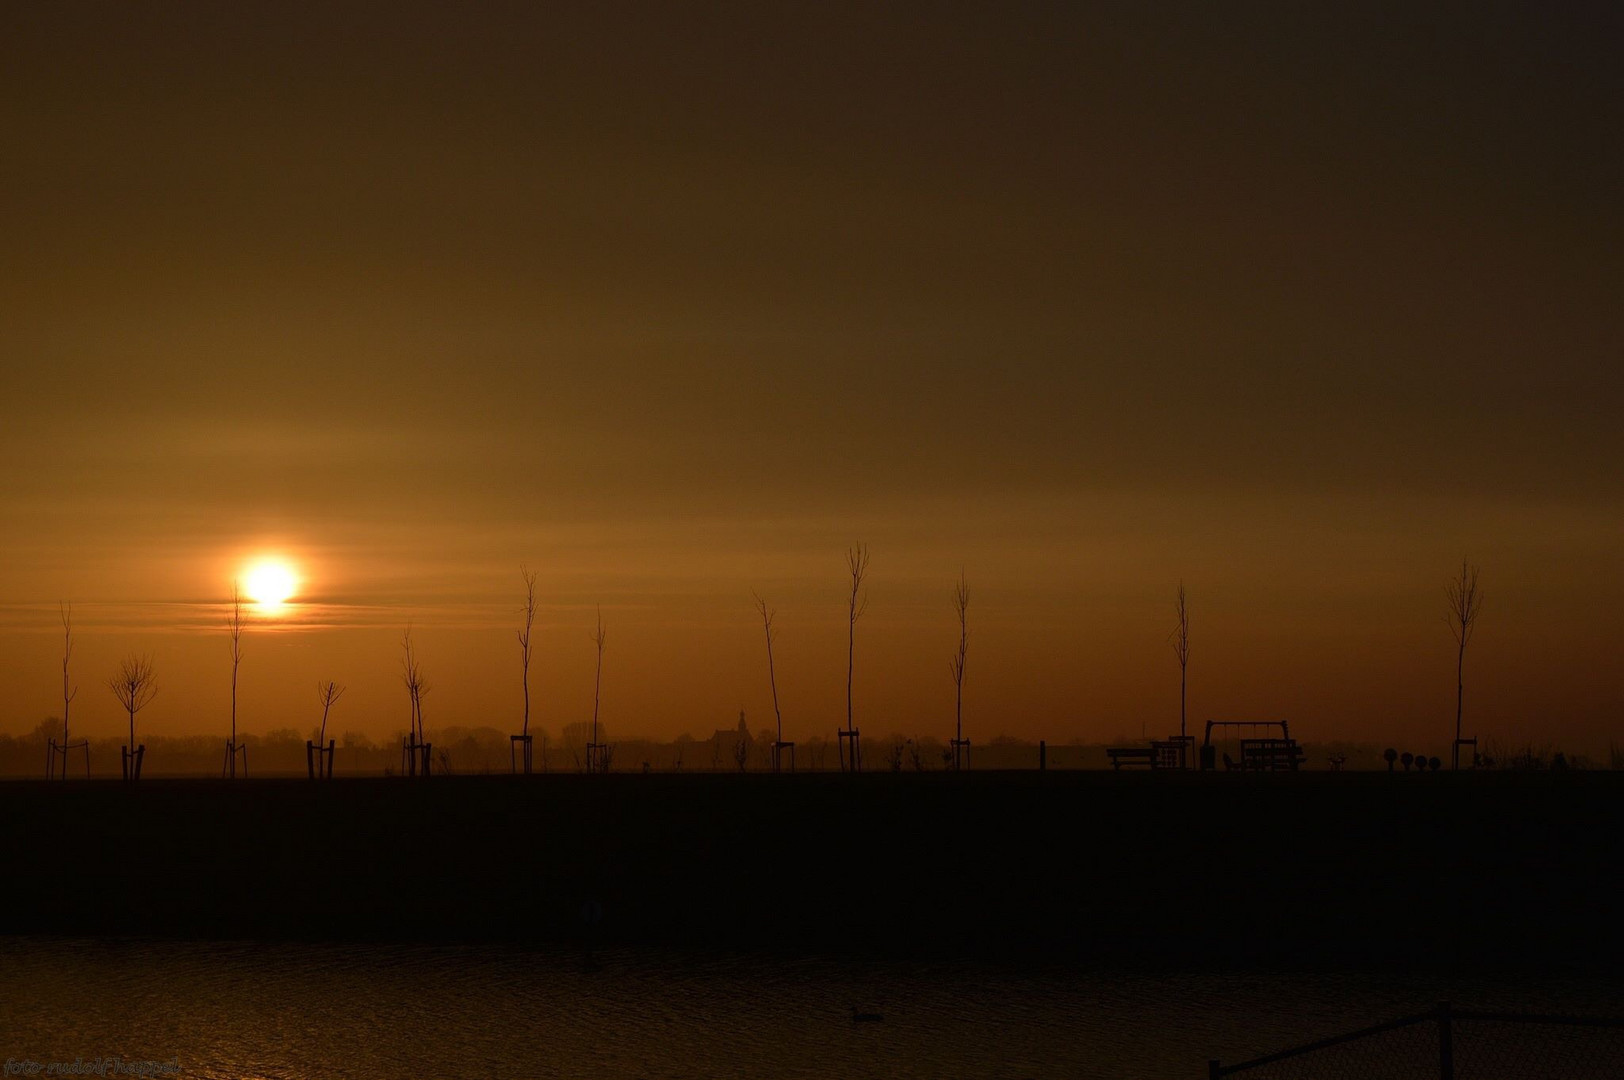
{"points": [[69, 691], [528, 576], [520, 745], [328, 694], [961, 607], [417, 687], [134, 685], [779, 745], [1465, 604], [1180, 637], [234, 627], [595, 757], [856, 605]]}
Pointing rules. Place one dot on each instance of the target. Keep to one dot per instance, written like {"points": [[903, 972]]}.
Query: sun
{"points": [[270, 583]]}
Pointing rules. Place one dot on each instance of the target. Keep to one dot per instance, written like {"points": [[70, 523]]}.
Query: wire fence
{"points": [[1452, 1044]]}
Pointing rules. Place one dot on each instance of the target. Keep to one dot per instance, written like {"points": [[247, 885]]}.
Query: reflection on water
{"points": [[316, 1011]]}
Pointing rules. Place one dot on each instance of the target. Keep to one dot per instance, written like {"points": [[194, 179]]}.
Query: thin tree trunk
{"points": [[851, 654], [772, 680], [597, 694], [1460, 701]]}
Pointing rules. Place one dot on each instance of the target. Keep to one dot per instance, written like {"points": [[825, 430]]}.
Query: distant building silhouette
{"points": [[725, 743]]}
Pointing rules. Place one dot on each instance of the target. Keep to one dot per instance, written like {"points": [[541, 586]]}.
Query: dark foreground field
{"points": [[1184, 870]]}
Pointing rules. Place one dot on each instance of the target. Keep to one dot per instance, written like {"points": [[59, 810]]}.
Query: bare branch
{"points": [[411, 674], [857, 567], [234, 628], [135, 685], [600, 638], [328, 694], [1465, 603], [69, 692], [528, 576], [1180, 637], [772, 676], [1180, 634], [961, 607]]}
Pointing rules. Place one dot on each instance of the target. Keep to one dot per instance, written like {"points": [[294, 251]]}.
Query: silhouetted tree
{"points": [[1465, 604], [1180, 638], [134, 686], [68, 692], [599, 638], [234, 628], [318, 757], [856, 604], [529, 578], [328, 694], [772, 675], [417, 687], [961, 606]]}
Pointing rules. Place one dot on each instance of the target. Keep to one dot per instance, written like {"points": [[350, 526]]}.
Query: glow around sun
{"points": [[270, 583]]}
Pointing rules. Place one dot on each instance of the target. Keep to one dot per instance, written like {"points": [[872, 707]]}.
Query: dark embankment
{"points": [[1186, 870]]}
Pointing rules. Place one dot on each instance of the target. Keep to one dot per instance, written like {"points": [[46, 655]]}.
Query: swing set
{"points": [[1262, 746]]}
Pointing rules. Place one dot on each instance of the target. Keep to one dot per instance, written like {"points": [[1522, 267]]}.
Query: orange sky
{"points": [[1295, 306]]}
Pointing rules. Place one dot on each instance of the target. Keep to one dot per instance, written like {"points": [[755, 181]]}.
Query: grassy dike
{"points": [[1189, 870]]}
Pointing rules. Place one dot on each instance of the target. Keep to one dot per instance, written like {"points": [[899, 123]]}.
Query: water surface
{"points": [[296, 1011]]}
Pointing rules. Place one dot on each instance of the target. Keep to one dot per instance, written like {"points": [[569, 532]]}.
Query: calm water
{"points": [[311, 1011]]}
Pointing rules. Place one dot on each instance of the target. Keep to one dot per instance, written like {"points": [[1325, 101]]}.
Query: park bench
{"points": [[1132, 755]]}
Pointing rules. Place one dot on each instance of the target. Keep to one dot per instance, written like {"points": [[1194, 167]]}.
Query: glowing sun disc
{"points": [[270, 584]]}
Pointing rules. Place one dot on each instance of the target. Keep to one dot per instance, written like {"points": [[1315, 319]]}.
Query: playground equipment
{"points": [[1271, 751], [1172, 752]]}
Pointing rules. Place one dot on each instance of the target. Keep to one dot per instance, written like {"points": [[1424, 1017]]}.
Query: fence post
{"points": [[1043, 756], [1213, 1071], [1446, 1043]]}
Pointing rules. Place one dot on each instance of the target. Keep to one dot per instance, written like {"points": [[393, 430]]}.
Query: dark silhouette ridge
{"points": [[1321, 869]]}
